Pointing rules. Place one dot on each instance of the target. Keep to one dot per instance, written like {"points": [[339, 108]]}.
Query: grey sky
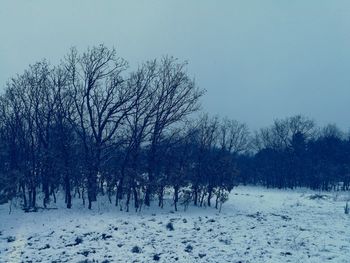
{"points": [[258, 60]]}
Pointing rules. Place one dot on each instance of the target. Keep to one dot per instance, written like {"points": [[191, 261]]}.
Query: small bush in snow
{"points": [[45, 247], [188, 248], [317, 197], [202, 255], [136, 249], [11, 239], [170, 226], [78, 241], [86, 252], [105, 236]]}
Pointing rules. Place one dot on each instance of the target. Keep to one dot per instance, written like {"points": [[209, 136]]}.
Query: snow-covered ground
{"points": [[255, 225]]}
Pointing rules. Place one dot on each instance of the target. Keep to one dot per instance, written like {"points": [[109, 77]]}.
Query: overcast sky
{"points": [[258, 60]]}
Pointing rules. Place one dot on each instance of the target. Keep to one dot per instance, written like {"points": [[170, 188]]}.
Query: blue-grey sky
{"points": [[258, 60]]}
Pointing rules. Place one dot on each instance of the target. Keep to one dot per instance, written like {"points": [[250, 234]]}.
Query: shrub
{"points": [[170, 226], [11, 239], [136, 249], [188, 248], [78, 240]]}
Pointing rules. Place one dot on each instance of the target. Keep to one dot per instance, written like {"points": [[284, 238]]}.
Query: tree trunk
{"points": [[217, 199], [46, 191], [34, 197], [68, 190], [119, 194], [195, 198], [202, 199], [148, 195], [161, 197], [210, 193], [24, 196], [128, 199], [136, 198], [176, 196], [92, 195]]}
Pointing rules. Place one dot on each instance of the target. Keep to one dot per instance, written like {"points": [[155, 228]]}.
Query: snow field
{"points": [[255, 225]]}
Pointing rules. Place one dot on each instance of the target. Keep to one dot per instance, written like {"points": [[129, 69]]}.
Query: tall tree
{"points": [[102, 100]]}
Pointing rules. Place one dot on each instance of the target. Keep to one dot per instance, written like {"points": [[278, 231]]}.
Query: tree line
{"points": [[89, 127], [294, 152]]}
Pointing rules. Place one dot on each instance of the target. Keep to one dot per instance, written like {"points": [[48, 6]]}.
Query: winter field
{"points": [[255, 225]]}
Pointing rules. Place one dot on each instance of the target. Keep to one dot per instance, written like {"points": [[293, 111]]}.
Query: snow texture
{"points": [[255, 225]]}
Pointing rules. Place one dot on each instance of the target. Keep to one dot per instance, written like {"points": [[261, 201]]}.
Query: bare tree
{"points": [[234, 136], [102, 100], [206, 140], [138, 123], [64, 139], [176, 96]]}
